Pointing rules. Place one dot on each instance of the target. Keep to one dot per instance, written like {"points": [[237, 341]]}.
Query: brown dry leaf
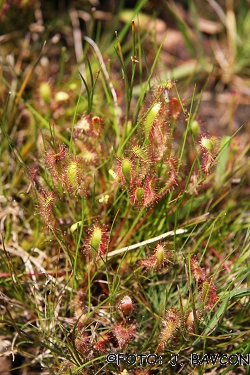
{"points": [[143, 21], [5, 364], [173, 42], [103, 16], [206, 26]]}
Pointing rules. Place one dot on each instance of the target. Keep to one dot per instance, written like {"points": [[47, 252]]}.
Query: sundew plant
{"points": [[124, 224]]}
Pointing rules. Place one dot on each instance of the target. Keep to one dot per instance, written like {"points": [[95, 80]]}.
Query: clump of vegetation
{"points": [[124, 225]]}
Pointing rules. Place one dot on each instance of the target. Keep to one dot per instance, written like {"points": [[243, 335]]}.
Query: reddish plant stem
{"points": [[118, 230], [217, 255]]}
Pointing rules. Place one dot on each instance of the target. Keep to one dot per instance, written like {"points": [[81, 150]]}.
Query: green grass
{"points": [[119, 233]]}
